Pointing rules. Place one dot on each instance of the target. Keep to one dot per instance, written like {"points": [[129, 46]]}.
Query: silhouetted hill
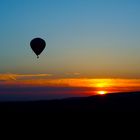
{"points": [[117, 102]]}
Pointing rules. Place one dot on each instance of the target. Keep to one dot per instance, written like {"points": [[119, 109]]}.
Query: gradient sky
{"points": [[93, 38], [93, 47]]}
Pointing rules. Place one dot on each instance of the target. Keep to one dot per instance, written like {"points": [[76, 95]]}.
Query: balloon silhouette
{"points": [[38, 45]]}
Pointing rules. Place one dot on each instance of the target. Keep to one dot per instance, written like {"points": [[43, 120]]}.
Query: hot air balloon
{"points": [[38, 45]]}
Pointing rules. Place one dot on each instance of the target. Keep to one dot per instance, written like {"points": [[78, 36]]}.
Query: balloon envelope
{"points": [[38, 45]]}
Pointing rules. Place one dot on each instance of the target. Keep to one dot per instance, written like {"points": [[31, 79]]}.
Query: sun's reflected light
{"points": [[102, 92]]}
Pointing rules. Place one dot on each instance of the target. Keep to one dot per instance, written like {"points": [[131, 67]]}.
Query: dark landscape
{"points": [[115, 102]]}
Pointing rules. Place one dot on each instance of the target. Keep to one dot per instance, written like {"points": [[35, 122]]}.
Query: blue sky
{"points": [[97, 38]]}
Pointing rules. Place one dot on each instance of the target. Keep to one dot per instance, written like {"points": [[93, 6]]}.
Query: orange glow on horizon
{"points": [[93, 86]]}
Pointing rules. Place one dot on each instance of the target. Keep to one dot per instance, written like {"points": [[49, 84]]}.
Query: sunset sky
{"points": [[89, 43]]}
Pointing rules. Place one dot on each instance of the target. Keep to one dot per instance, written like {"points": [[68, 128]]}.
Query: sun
{"points": [[101, 92]]}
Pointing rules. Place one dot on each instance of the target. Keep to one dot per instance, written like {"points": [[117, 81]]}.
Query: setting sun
{"points": [[102, 92]]}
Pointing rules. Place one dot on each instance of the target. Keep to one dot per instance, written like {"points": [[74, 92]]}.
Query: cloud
{"points": [[73, 74], [76, 73], [10, 76], [43, 82], [5, 77]]}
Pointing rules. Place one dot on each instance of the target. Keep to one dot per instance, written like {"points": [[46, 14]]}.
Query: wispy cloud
{"points": [[73, 74], [10, 76], [5, 77]]}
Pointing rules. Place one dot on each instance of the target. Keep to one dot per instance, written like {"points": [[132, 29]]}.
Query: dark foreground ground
{"points": [[120, 102]]}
